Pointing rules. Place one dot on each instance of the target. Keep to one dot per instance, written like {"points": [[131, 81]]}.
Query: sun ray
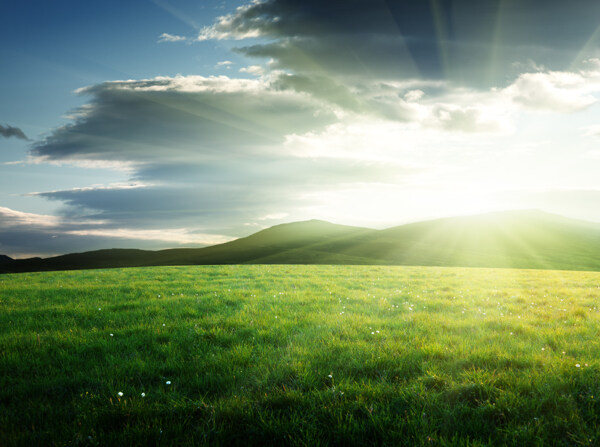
{"points": [[177, 13], [408, 59], [495, 47], [442, 34], [593, 43]]}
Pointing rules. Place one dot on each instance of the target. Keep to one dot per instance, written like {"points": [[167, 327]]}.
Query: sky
{"points": [[179, 123]]}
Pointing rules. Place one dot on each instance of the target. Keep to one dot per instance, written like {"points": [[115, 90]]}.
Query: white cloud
{"points": [[127, 167], [273, 216], [224, 64], [177, 235], [255, 70], [12, 218], [592, 131], [166, 37], [231, 26], [112, 186], [414, 95], [557, 91], [452, 117]]}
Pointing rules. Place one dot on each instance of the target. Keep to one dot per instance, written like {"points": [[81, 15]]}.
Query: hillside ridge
{"points": [[512, 239]]}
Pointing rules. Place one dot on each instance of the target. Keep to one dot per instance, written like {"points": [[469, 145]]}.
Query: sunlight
{"points": [[589, 49]]}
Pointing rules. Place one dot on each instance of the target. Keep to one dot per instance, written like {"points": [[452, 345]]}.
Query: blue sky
{"points": [[156, 124], [50, 49]]}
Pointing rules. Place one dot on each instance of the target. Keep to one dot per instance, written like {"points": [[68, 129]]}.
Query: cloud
{"points": [[273, 216], [323, 88], [460, 41], [255, 70], [28, 234], [361, 56], [9, 131], [466, 119], [556, 91], [189, 118], [218, 194], [176, 235], [592, 131], [225, 26], [166, 37], [12, 218], [446, 108], [414, 95]]}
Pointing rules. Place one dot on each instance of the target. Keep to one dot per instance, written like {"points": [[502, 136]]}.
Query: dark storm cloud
{"points": [[470, 42], [9, 131]]}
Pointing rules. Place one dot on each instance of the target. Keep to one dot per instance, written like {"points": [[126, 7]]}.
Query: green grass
{"points": [[300, 355]]}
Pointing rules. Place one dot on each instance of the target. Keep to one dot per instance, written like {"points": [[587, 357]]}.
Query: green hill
{"points": [[519, 239], [281, 240], [525, 239]]}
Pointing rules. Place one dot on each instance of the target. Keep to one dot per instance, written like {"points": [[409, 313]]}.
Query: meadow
{"points": [[300, 355]]}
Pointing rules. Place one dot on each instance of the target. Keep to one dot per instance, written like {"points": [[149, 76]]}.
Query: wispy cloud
{"points": [[592, 131], [224, 64], [231, 26], [22, 234], [12, 218], [9, 131], [166, 37], [176, 236], [255, 70]]}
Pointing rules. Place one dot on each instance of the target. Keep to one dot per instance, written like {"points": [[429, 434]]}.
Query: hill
{"points": [[277, 240], [519, 239], [4, 258], [524, 239]]}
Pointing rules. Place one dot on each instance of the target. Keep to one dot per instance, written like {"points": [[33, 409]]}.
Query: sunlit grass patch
{"points": [[300, 355]]}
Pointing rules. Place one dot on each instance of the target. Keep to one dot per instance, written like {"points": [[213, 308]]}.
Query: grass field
{"points": [[300, 355]]}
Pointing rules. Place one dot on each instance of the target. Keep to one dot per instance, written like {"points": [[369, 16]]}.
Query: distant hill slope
{"points": [[520, 239], [525, 239], [275, 240], [4, 258]]}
